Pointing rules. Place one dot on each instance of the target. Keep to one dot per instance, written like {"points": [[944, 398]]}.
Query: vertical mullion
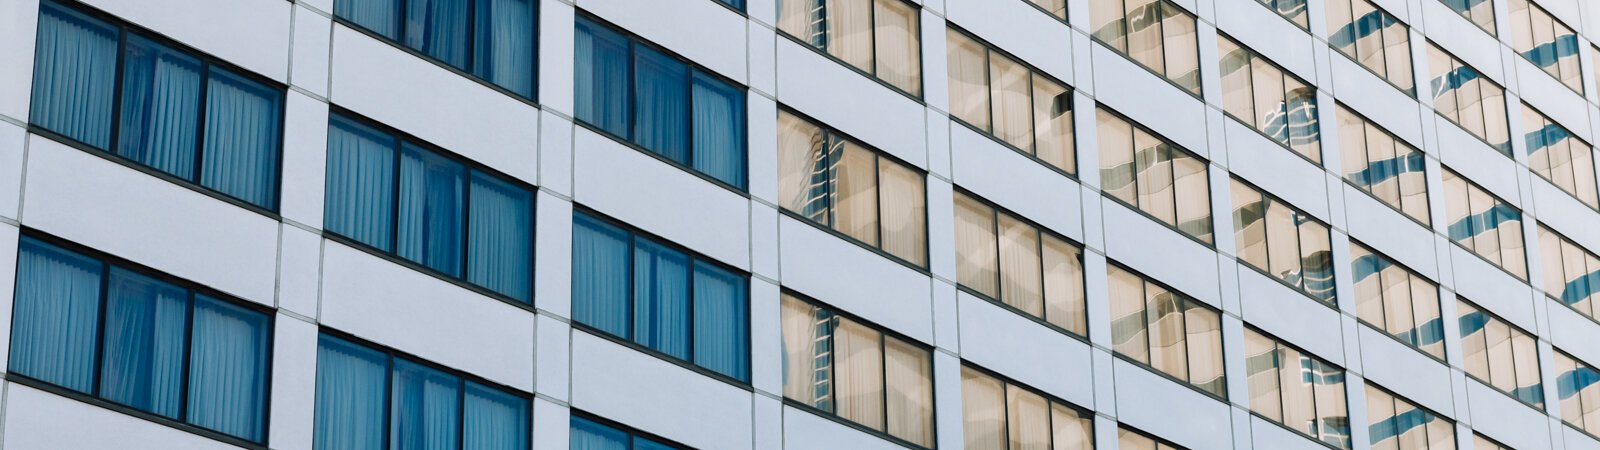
{"points": [[631, 119], [883, 376], [1266, 229], [830, 161], [200, 128], [872, 36], [99, 329], [388, 398], [1161, 33], [461, 412], [988, 81], [116, 92], [1033, 138], [1283, 404], [188, 341], [1171, 152], [1044, 298], [877, 187], [466, 223], [688, 106], [999, 278], [690, 306], [1183, 331], [394, 200], [627, 331], [472, 35], [1005, 412]]}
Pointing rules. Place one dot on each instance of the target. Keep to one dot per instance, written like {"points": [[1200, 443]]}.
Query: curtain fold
{"points": [[242, 135], [808, 356], [859, 369], [1021, 277], [504, 45], [439, 29], [500, 237], [1028, 421], [847, 31], [228, 369], [983, 410], [976, 247], [432, 197], [719, 137], [1010, 88], [142, 366], [378, 16], [160, 107], [721, 321], [855, 194], [590, 435], [424, 406], [74, 75], [360, 197], [661, 104], [969, 79], [351, 396], [803, 168], [601, 263], [493, 420], [899, 51], [661, 298], [56, 314], [904, 211], [908, 375], [600, 81]]}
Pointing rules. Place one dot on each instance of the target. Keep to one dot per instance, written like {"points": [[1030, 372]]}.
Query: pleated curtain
{"points": [[432, 197], [379, 16], [57, 307], [847, 30], [661, 298], [718, 117], [807, 364], [908, 376], [142, 366], [493, 420], [360, 197], [640, 443], [896, 42], [721, 321], [983, 410], [228, 369], [589, 435], [600, 83], [438, 28], [242, 139], [500, 237], [74, 75], [503, 48], [351, 395], [160, 107], [424, 406], [660, 119], [802, 168], [601, 259], [859, 372]]}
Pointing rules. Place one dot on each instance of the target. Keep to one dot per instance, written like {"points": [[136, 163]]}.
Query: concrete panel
{"points": [[1290, 315], [877, 115], [843, 274], [1183, 264], [1146, 401], [1015, 181], [611, 380], [39, 419], [705, 32], [1051, 361], [253, 34]]}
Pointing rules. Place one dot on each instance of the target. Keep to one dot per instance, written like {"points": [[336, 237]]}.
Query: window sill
{"points": [[396, 259], [1220, 397], [1024, 153], [920, 87], [530, 101], [856, 426], [602, 334], [836, 233], [136, 413], [742, 192], [1039, 320]]}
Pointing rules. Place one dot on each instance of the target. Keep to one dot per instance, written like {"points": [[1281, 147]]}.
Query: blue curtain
{"points": [[661, 109], [74, 75], [432, 194], [600, 280], [56, 314], [241, 138], [438, 28], [493, 420], [719, 130], [351, 396], [661, 298], [379, 16], [160, 107], [721, 323], [600, 84], [425, 405], [144, 332], [503, 48], [360, 198], [500, 237], [228, 369], [640, 443], [589, 435]]}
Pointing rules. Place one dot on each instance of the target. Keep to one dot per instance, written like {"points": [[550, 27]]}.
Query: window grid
{"points": [[1113, 21], [994, 106], [1325, 418], [1374, 39], [1484, 224], [814, 23], [1384, 166], [1560, 157], [1578, 388], [1397, 301], [1194, 330], [1154, 176], [476, 54], [1500, 355], [1399, 424], [1571, 273], [995, 418], [1252, 84], [1467, 98], [988, 237], [1283, 242], [1543, 40], [1479, 12]]}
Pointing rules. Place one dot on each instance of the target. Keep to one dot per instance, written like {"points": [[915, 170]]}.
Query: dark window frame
{"points": [[471, 43], [1005, 416], [1033, 71], [1199, 62], [1184, 301], [1211, 200], [1380, 328], [1083, 281], [922, 80], [1266, 197], [1289, 135], [1366, 155]]}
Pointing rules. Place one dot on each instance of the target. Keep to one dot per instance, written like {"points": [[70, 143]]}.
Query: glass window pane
{"points": [[1052, 124], [847, 32], [977, 265], [1283, 242], [379, 16], [721, 321], [1430, 326], [1127, 315], [1299, 404], [432, 198], [1128, 440], [360, 198], [1116, 156], [1020, 276], [1384, 166], [1526, 353], [1193, 192], [160, 107], [855, 198], [860, 372], [899, 49], [904, 213], [1168, 351], [1316, 260], [228, 362], [500, 237], [969, 79], [1010, 88], [1397, 312], [1397, 53], [438, 28], [503, 46], [803, 168], [1028, 421], [493, 420], [56, 316], [719, 130], [590, 435], [661, 298], [1072, 431], [424, 406], [1144, 33], [908, 374], [1249, 225], [1063, 286], [601, 275], [1502, 371], [661, 90], [242, 138], [600, 82], [1204, 330], [1304, 134], [1237, 98], [983, 411], [1261, 361], [145, 327], [351, 396], [1107, 22], [1268, 91], [74, 75], [1153, 174], [1181, 48], [1441, 433], [1381, 419], [1474, 347], [1333, 421], [808, 354]]}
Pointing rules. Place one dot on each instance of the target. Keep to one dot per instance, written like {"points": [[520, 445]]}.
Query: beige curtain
{"points": [[1203, 329], [969, 79], [903, 199], [1009, 89], [1020, 278], [855, 198], [1153, 174], [899, 46], [1063, 286], [849, 32], [1072, 431], [1127, 315], [859, 371], [1028, 420], [1164, 310], [1144, 33], [1116, 156], [983, 411], [1299, 405], [1249, 228], [1181, 44], [976, 264], [1052, 124], [908, 370], [799, 18], [802, 176], [1192, 194], [1283, 242], [806, 374], [1261, 375]]}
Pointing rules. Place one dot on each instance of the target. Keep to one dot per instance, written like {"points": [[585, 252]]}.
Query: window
{"points": [[1479, 12], [1292, 10], [1500, 354], [1156, 34], [1546, 42], [1283, 242], [1000, 415], [1560, 157], [1468, 99], [153, 346], [1578, 387], [836, 365], [1056, 8], [660, 297], [450, 217], [1398, 424], [1302, 392], [1011, 101], [1262, 95], [1571, 273], [1484, 224], [489, 40], [1482, 443], [367, 397], [592, 433], [153, 103], [1397, 301], [1008, 260], [1373, 38], [839, 184], [1154, 176], [880, 38], [1130, 439], [639, 94], [1384, 166], [1170, 332]]}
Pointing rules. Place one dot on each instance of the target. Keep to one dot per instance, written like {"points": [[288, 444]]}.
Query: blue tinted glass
{"points": [[160, 107], [74, 75], [721, 321], [600, 280], [432, 194], [351, 395], [589, 435], [493, 420], [438, 28], [360, 197], [379, 16], [425, 404], [719, 130], [57, 309], [736, 4], [661, 106], [500, 237], [640, 443], [661, 298], [241, 138], [503, 47], [144, 333], [228, 369], [600, 83]]}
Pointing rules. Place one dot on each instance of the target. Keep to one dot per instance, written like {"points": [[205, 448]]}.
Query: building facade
{"points": [[800, 224]]}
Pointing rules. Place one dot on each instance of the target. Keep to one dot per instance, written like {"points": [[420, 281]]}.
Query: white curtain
{"points": [[983, 411], [1021, 279], [228, 369], [601, 277], [977, 265], [802, 168], [969, 79], [589, 435], [661, 104], [1063, 286], [661, 298], [1011, 91], [908, 374], [1028, 421], [847, 29], [439, 29], [57, 312], [1071, 431], [74, 75], [1052, 124], [504, 44], [719, 131], [859, 368], [500, 237], [721, 321], [379, 16], [432, 197], [855, 197], [600, 81]]}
